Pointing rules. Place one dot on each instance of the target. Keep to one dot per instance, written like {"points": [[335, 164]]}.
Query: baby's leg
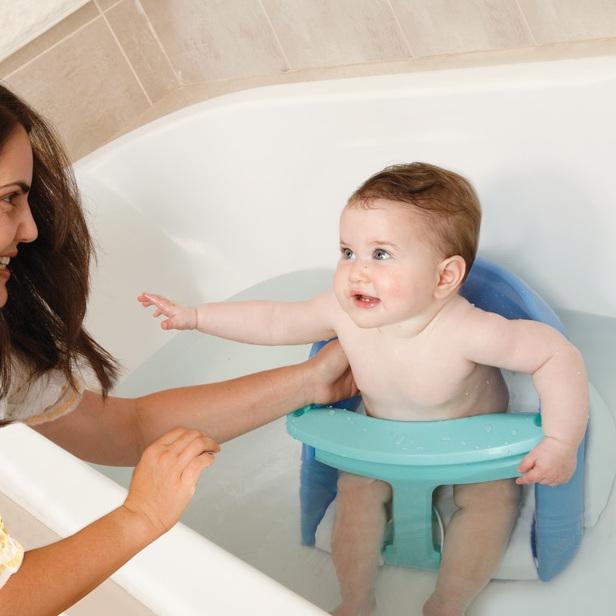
{"points": [[357, 540], [476, 539]]}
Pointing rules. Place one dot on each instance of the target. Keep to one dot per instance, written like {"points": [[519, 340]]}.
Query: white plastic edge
{"points": [[182, 573]]}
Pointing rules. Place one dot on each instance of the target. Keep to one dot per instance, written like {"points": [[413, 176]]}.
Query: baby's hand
{"points": [[178, 317], [551, 462]]}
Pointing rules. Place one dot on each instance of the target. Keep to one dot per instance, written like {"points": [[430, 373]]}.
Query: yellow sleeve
{"points": [[11, 555]]}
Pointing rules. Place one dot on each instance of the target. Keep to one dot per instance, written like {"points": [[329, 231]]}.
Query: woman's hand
{"points": [[165, 479], [330, 377], [178, 316]]}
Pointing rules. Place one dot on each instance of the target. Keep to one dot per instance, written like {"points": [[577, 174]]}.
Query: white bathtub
{"points": [[246, 190]]}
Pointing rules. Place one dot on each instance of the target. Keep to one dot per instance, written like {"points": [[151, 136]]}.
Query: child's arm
{"points": [[559, 375], [254, 322]]}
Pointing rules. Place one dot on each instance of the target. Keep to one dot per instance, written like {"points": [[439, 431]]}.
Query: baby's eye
{"points": [[346, 253], [381, 255]]}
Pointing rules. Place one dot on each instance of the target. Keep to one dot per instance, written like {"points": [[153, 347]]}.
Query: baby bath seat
{"points": [[416, 457]]}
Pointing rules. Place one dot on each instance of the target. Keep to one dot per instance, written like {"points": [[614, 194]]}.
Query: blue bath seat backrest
{"points": [[559, 511]]}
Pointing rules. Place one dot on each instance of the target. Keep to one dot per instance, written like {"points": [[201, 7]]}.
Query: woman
{"points": [[45, 251]]}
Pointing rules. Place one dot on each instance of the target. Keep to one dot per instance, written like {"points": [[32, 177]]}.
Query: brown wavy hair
{"points": [[42, 321], [446, 198]]}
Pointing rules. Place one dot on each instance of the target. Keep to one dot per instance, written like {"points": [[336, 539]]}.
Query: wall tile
{"points": [[106, 4], [133, 31], [553, 21], [316, 33], [436, 27], [215, 39], [65, 28], [84, 86]]}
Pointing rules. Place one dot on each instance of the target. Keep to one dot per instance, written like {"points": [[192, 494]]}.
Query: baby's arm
{"points": [[559, 375], [254, 322]]}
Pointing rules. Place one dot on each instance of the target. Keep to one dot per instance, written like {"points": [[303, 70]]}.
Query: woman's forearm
{"points": [[54, 577], [115, 431], [227, 409]]}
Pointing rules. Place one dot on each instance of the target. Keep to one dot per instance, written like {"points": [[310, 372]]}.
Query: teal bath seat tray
{"points": [[416, 457]]}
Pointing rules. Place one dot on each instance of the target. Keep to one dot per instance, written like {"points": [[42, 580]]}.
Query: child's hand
{"points": [[178, 317], [165, 478], [551, 462]]}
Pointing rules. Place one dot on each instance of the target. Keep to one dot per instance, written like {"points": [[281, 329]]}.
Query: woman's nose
{"points": [[27, 230]]}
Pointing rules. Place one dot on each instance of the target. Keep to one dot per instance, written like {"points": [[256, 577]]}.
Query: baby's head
{"points": [[408, 237]]}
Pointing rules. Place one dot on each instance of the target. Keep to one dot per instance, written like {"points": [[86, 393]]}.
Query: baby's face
{"points": [[388, 268]]}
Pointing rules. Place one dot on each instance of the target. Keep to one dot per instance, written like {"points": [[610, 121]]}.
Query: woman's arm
{"points": [[54, 577], [116, 430]]}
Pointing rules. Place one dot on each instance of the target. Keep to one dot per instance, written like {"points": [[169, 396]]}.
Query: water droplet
{"points": [[488, 428], [514, 432], [348, 418], [446, 438], [332, 412]]}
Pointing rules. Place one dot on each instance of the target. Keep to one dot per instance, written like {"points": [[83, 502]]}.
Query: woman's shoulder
{"points": [[40, 399]]}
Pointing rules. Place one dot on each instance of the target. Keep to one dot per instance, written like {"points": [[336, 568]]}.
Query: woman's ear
{"points": [[450, 275]]}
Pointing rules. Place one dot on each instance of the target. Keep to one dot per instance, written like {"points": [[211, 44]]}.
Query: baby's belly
{"points": [[484, 391]]}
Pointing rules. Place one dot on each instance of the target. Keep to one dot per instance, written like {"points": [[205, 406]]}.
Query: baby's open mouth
{"points": [[365, 301]]}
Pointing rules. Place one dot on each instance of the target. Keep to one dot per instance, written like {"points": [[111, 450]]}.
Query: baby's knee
{"points": [[355, 486], [502, 494]]}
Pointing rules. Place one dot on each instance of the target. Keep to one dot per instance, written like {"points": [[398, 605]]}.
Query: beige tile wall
{"points": [[115, 64]]}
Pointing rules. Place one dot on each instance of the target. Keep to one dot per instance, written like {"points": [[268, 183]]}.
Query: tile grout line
{"points": [[53, 46], [130, 66], [110, 7], [401, 29], [527, 24], [276, 38], [153, 32]]}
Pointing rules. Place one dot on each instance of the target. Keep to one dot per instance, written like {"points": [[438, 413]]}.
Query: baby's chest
{"points": [[423, 372]]}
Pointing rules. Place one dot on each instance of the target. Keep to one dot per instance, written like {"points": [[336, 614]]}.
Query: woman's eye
{"points": [[380, 255], [346, 253], [9, 198]]}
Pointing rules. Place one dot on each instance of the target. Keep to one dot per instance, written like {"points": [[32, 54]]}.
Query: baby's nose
{"points": [[359, 271]]}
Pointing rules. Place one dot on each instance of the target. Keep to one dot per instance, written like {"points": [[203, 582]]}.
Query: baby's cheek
{"points": [[398, 290]]}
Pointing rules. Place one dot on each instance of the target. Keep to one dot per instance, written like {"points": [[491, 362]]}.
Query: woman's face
{"points": [[16, 222]]}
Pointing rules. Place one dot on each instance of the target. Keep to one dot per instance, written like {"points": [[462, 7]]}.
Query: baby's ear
{"points": [[451, 273]]}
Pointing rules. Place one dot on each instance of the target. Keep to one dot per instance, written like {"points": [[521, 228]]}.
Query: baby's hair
{"points": [[445, 197], [42, 320]]}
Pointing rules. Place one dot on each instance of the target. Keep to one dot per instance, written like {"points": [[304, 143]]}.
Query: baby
{"points": [[418, 351]]}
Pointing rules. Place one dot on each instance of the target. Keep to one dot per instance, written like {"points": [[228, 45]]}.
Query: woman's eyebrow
{"points": [[22, 185]]}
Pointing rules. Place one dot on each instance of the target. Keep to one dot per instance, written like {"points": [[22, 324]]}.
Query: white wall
{"points": [[23, 20]]}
